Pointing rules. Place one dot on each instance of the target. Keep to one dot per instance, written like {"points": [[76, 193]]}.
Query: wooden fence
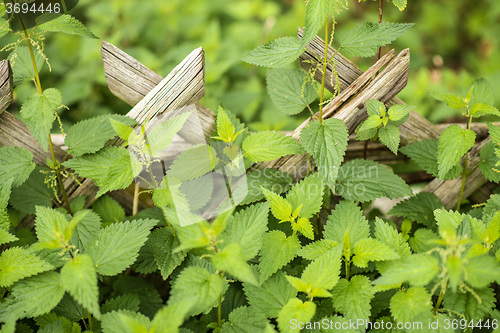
{"points": [[152, 95]]}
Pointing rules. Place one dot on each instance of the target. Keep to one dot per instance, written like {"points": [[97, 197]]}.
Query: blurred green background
{"points": [[453, 42]]}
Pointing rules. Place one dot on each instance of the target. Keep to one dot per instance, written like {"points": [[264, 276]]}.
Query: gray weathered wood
{"points": [[5, 85], [415, 128], [14, 132], [376, 83], [131, 81], [183, 86]]}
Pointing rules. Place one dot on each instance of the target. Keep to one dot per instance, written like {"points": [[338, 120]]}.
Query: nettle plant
{"points": [[280, 259]]}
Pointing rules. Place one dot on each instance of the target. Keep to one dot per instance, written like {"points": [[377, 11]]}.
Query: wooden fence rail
{"points": [[150, 95]]}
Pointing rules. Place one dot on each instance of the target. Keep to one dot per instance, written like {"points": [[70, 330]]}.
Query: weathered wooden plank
{"points": [[376, 83], [131, 81], [415, 128], [183, 86], [14, 132], [5, 85]]}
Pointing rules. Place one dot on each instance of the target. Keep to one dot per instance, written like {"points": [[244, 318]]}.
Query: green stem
{"points": [[465, 172], [323, 76], [51, 146], [219, 312], [441, 296], [90, 320], [347, 268]]}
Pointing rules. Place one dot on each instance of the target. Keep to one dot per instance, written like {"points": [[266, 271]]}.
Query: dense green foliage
{"points": [[278, 255]]}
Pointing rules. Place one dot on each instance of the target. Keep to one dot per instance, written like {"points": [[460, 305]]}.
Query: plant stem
{"points": [[379, 55], [323, 76], [465, 172], [135, 206], [380, 14], [347, 268], [219, 312], [441, 296], [51, 146], [90, 320]]}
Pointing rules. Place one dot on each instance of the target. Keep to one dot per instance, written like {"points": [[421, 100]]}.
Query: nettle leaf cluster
{"points": [[289, 256]]}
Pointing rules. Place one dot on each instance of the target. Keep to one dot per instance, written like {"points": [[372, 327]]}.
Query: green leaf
{"points": [[200, 286], [304, 226], [347, 218], [323, 273], [327, 143], [247, 228], [277, 251], [79, 279], [454, 143], [271, 296], [494, 131], [372, 122], [423, 240], [51, 227], [162, 244], [309, 194], [225, 129], [481, 271], [170, 318], [482, 92], [352, 298], [454, 267], [295, 310], [448, 222], [108, 209], [16, 164], [121, 129], [68, 25], [419, 208], [6, 237], [17, 263], [375, 108], [488, 163], [128, 302], [288, 89], [365, 180], [270, 179], [317, 11], [424, 153], [90, 135], [162, 134], [365, 39], [389, 136], [115, 172], [275, 54], [22, 68], [316, 249], [245, 320], [418, 269], [492, 232], [482, 109], [33, 192], [124, 321], [453, 101], [116, 247], [280, 207], [231, 260], [406, 305], [193, 163], [370, 249], [401, 4], [32, 297], [269, 145], [39, 112], [388, 235], [477, 305]]}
